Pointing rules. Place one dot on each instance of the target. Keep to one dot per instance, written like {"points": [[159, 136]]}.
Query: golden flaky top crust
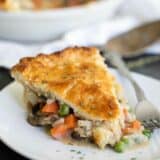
{"points": [[78, 76]]}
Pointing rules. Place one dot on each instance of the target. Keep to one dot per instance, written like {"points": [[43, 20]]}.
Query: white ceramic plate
{"points": [[34, 143], [46, 25]]}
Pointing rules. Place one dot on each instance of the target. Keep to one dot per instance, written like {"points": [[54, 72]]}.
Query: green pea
{"points": [[119, 147], [147, 133], [125, 140], [64, 110], [130, 110]]}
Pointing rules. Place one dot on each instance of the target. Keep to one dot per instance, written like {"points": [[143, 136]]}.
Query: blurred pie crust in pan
{"points": [[15, 5]]}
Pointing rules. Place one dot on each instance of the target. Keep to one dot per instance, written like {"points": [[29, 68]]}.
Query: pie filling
{"points": [[121, 134]]}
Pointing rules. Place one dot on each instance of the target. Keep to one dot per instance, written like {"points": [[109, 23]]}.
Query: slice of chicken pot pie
{"points": [[74, 93]]}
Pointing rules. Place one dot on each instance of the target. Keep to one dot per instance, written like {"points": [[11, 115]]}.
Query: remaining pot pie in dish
{"points": [[11, 5], [73, 93]]}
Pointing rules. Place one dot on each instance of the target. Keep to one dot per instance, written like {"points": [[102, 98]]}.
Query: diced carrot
{"points": [[133, 127], [70, 121], [50, 108], [59, 131], [128, 130], [136, 124]]}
